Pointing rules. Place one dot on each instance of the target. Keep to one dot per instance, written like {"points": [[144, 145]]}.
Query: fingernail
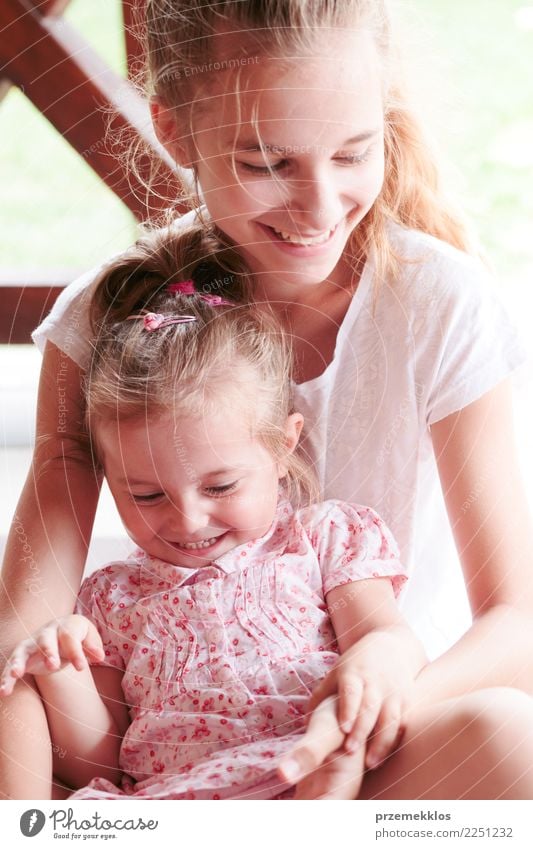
{"points": [[291, 769], [373, 761]]}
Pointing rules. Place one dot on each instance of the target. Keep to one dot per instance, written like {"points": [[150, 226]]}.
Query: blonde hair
{"points": [[230, 357], [181, 42]]}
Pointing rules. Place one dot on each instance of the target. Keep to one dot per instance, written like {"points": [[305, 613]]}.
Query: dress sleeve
{"points": [[107, 598], [352, 543]]}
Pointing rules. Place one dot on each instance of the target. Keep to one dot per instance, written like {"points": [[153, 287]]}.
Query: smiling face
{"points": [[292, 164], [190, 491]]}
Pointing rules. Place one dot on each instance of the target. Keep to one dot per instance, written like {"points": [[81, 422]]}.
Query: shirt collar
{"points": [[156, 572]]}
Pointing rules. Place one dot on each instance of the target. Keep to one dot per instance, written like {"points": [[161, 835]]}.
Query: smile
{"points": [[302, 239], [195, 546]]}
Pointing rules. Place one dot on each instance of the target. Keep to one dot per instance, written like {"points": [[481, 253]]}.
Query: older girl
{"points": [[293, 118]]}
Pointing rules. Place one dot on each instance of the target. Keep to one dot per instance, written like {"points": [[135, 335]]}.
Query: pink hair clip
{"points": [[156, 321], [187, 287]]}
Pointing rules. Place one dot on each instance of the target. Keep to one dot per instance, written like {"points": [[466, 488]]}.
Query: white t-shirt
{"points": [[432, 341]]}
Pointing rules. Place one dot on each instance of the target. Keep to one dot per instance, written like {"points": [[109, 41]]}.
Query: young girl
{"points": [[217, 630], [294, 121]]}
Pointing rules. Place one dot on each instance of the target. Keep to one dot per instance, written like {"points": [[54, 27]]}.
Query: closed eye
{"points": [[221, 490], [348, 160], [354, 158], [147, 499], [265, 169]]}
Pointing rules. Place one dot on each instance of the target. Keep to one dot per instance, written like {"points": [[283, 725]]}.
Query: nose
{"points": [[315, 202], [187, 517]]}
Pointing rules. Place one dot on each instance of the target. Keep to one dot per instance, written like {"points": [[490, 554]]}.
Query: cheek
{"points": [[140, 525]]}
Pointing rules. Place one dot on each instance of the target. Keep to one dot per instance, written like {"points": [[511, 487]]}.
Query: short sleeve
{"points": [[474, 342], [353, 543], [107, 598]]}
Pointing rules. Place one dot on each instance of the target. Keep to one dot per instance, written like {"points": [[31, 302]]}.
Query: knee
{"points": [[499, 717]]}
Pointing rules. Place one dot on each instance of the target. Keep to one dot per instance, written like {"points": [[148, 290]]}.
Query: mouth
{"points": [[300, 240], [201, 545]]}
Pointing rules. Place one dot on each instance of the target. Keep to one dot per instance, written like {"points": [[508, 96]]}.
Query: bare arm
{"points": [[488, 511], [47, 544], [84, 724], [85, 708]]}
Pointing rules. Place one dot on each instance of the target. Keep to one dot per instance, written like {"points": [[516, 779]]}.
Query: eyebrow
{"points": [[251, 145], [152, 483]]}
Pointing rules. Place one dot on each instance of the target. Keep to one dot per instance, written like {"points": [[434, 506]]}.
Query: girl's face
{"points": [[320, 122], [190, 491]]}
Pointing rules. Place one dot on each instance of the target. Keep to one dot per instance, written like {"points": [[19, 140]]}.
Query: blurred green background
{"points": [[476, 58]]}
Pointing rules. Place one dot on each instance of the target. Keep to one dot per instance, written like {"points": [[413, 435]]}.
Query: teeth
{"points": [[306, 242], [205, 543]]}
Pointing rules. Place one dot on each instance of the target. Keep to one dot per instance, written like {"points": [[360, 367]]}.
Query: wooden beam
{"points": [[133, 16], [77, 92], [50, 7], [23, 307]]}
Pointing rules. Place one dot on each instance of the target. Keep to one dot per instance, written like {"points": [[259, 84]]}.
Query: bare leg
{"points": [[478, 746], [25, 745]]}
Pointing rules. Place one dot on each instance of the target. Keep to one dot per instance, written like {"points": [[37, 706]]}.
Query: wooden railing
{"points": [[92, 107]]}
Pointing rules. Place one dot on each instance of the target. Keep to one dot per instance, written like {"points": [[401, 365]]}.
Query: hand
{"points": [[373, 681], [319, 764], [70, 639]]}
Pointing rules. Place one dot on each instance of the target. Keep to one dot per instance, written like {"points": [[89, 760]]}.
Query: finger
{"points": [[386, 733], [322, 737], [16, 666], [46, 643], [351, 690], [368, 713], [339, 777], [8, 680], [92, 644], [71, 649], [327, 687]]}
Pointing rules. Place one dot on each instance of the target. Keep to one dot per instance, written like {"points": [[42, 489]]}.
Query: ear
{"points": [[293, 429], [168, 134]]}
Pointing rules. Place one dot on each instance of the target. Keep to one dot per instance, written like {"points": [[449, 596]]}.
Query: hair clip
{"points": [[187, 287], [156, 321]]}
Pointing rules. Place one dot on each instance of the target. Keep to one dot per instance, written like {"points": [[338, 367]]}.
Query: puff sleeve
{"points": [[352, 543], [107, 598]]}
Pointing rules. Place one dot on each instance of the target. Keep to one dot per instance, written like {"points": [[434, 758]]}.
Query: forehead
{"points": [[335, 94], [139, 448]]}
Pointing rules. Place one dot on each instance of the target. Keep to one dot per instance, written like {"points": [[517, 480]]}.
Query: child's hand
{"points": [[372, 681], [319, 764], [70, 639]]}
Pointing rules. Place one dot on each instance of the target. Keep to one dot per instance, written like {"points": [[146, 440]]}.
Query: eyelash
{"points": [[356, 159], [221, 490], [215, 491]]}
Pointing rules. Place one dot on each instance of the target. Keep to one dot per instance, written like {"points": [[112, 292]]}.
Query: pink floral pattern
{"points": [[219, 662]]}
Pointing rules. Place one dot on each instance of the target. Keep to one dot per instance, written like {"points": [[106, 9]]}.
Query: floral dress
{"points": [[219, 662]]}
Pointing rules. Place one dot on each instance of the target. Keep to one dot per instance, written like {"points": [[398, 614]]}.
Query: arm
{"points": [[487, 507], [47, 544], [87, 718], [85, 708], [43, 564], [367, 692], [380, 659]]}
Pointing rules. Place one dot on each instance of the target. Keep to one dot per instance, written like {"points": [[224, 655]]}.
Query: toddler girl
{"points": [[216, 630], [293, 119]]}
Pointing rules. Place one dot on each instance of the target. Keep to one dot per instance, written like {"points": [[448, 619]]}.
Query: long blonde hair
{"points": [[180, 40], [229, 357]]}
